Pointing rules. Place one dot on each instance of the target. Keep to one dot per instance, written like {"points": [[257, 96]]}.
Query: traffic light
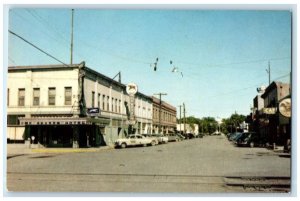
{"points": [[155, 64]]}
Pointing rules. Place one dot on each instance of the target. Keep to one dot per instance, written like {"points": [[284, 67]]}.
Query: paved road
{"points": [[198, 165]]}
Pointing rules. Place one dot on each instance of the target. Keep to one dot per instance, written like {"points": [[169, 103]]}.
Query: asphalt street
{"points": [[201, 165]]}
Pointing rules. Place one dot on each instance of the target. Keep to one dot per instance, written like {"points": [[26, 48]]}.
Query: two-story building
{"points": [[70, 106], [273, 125], [164, 117]]}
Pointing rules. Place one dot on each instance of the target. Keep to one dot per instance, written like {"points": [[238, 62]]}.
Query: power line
{"points": [[234, 63], [37, 47], [47, 24]]}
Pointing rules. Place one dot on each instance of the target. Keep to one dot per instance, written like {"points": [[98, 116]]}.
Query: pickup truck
{"points": [[134, 140]]}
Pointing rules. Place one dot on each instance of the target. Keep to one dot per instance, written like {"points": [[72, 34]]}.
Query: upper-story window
{"points": [[36, 96], [68, 95], [103, 102], [51, 95], [93, 98], [99, 101], [107, 108], [112, 104], [116, 105], [7, 97], [21, 97]]}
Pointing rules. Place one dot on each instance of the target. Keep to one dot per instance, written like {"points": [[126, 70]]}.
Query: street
{"points": [[203, 165]]}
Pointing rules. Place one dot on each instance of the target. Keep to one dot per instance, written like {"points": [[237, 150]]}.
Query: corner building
{"points": [[53, 103]]}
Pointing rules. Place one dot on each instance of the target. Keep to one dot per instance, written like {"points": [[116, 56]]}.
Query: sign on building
{"points": [[94, 111], [131, 89], [269, 110], [285, 107]]}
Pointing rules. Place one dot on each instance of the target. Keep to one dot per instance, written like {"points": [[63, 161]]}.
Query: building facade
{"points": [[164, 117], [274, 126], [70, 106]]}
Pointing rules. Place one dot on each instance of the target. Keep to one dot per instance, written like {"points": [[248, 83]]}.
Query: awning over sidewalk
{"points": [[63, 121]]}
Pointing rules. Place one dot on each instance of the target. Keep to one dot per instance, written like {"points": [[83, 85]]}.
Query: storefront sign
{"points": [[285, 107], [270, 110], [131, 88], [93, 111]]}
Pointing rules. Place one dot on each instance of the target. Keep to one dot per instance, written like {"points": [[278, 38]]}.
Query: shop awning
{"points": [[63, 121]]}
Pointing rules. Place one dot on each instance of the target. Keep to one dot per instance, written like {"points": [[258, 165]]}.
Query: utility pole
{"points": [[72, 36], [269, 72], [184, 117], [159, 120], [180, 118]]}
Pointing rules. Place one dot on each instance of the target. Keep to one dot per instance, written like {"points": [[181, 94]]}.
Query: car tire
{"points": [[153, 143], [123, 145], [144, 145], [251, 144]]}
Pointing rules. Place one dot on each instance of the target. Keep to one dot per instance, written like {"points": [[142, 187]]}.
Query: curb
{"points": [[69, 150]]}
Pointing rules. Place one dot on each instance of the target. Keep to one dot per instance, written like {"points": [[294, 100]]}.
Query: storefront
{"points": [[64, 132]]}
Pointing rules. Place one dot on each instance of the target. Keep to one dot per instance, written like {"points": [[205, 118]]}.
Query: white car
{"points": [[161, 138], [134, 140]]}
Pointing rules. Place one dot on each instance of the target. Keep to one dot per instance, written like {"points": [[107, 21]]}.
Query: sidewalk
{"points": [[22, 149]]}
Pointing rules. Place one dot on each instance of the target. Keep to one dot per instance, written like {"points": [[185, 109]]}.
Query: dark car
{"points": [[234, 136], [250, 139]]}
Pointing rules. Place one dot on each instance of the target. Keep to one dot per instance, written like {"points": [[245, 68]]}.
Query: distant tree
{"points": [[230, 124]]}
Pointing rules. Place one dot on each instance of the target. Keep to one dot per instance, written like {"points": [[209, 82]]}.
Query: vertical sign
{"points": [[131, 89]]}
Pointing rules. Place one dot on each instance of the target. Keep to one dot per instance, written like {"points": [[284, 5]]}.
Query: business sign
{"points": [[131, 88], [285, 107], [269, 110], [94, 111]]}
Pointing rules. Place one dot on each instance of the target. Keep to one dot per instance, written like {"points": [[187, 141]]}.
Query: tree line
{"points": [[210, 124]]}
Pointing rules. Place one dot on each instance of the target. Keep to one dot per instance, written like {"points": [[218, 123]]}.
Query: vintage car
{"points": [[134, 140], [161, 138], [152, 137]]}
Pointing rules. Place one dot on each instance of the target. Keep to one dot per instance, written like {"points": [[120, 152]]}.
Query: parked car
{"points": [[173, 137], [160, 137], [134, 140], [250, 139], [234, 136], [189, 135], [152, 137], [181, 137]]}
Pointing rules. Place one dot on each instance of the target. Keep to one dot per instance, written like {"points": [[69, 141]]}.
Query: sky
{"points": [[221, 55]]}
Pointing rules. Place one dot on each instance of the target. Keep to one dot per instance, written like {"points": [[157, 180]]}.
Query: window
{"points": [[93, 98], [7, 97], [103, 102], [107, 108], [68, 95], [119, 106], [51, 96], [116, 106], [36, 96], [112, 104], [21, 95], [99, 102]]}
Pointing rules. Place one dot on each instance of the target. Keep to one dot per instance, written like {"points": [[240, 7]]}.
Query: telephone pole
{"points": [[72, 36], [180, 118], [269, 72], [159, 120], [184, 117]]}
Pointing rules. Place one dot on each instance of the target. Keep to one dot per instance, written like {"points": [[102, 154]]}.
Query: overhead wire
{"points": [[46, 53]]}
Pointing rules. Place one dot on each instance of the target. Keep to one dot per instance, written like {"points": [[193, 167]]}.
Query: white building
{"points": [[53, 103], [188, 128]]}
